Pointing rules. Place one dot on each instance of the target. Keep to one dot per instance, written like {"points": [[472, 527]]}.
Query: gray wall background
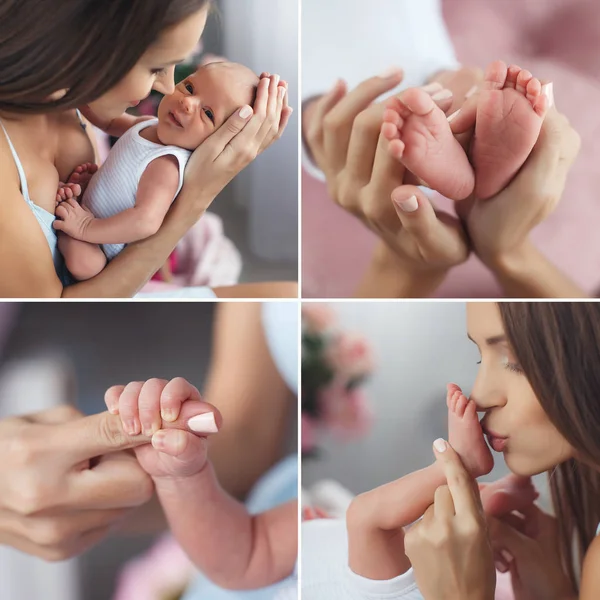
{"points": [[419, 347]]}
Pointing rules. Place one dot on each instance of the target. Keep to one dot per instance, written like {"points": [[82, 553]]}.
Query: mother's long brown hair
{"points": [[558, 346], [86, 46]]}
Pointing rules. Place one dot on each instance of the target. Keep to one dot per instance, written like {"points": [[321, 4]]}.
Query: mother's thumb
{"points": [[93, 436]]}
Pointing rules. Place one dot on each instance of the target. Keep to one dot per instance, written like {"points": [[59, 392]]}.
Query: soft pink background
{"points": [[558, 40]]}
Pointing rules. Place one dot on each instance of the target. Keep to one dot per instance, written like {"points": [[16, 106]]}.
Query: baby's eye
{"points": [[209, 113], [189, 87]]}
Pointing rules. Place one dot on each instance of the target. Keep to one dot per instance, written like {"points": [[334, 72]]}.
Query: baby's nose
{"points": [[187, 103]]}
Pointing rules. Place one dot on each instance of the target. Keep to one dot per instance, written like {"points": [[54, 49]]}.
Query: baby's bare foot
{"points": [[82, 175], [465, 434], [66, 191], [424, 143], [510, 113]]}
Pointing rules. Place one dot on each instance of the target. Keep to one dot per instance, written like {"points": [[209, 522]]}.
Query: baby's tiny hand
{"points": [[173, 415], [72, 218]]}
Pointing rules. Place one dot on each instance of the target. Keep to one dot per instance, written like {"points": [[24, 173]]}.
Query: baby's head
{"points": [[201, 103]]}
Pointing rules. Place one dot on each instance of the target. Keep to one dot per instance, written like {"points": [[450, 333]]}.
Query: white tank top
{"points": [[113, 188]]}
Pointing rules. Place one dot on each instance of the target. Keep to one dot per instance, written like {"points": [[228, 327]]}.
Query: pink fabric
{"points": [[205, 257], [556, 40]]}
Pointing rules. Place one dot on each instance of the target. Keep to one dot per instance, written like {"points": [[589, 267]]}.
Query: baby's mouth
{"points": [[175, 119]]}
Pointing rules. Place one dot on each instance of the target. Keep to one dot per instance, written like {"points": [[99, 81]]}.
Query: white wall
{"points": [[263, 34]]}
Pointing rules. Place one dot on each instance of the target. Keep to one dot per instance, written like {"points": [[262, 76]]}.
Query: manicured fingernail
{"points": [[390, 72], [507, 556], [440, 445], [245, 111], [432, 87], [204, 423], [443, 95], [168, 414], [282, 91], [131, 427], [471, 91], [500, 566], [409, 205], [548, 91], [453, 116]]}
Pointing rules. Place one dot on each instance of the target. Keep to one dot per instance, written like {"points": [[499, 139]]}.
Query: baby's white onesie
{"points": [[114, 187], [325, 574]]}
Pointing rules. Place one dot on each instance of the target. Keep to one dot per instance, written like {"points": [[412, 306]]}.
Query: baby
{"points": [[507, 114], [376, 559], [129, 196], [234, 549]]}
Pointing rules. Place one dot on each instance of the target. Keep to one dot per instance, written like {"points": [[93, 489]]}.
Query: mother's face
{"points": [[529, 441], [155, 69]]}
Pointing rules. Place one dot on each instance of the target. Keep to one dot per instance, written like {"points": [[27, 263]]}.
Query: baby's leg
{"points": [[424, 143], [510, 113], [83, 260], [376, 519]]}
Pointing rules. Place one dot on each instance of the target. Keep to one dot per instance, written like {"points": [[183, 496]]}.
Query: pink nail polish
{"points": [[409, 205], [471, 91], [453, 116], [443, 95], [204, 423], [390, 72], [440, 445]]}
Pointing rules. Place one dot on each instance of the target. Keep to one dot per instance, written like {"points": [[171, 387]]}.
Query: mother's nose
{"points": [[486, 394], [165, 82]]}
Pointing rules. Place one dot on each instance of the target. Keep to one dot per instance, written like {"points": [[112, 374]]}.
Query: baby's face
{"points": [[201, 103]]}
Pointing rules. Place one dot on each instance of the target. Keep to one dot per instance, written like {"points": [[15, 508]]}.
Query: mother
{"points": [[62, 55], [540, 395]]}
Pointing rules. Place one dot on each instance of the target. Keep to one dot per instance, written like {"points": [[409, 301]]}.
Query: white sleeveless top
{"points": [[114, 187]]}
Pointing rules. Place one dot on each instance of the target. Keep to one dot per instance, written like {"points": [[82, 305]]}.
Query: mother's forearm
{"points": [[527, 273], [124, 276]]}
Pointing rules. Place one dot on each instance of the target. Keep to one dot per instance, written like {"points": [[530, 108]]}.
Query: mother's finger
{"points": [[460, 482], [436, 234], [218, 144], [443, 503], [362, 145], [337, 125]]}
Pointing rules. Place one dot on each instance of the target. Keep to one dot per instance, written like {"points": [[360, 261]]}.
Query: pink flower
{"points": [[308, 435], [349, 356], [345, 412], [317, 318]]}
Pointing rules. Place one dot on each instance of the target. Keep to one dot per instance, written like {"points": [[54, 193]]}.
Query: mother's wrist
{"points": [[511, 263]]}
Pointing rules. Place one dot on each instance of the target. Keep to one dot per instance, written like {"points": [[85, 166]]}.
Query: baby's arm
{"points": [[233, 548], [155, 193]]}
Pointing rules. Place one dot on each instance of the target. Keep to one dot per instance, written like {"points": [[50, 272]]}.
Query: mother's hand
{"points": [[499, 227], [343, 133], [529, 541], [449, 548], [234, 146], [65, 481]]}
